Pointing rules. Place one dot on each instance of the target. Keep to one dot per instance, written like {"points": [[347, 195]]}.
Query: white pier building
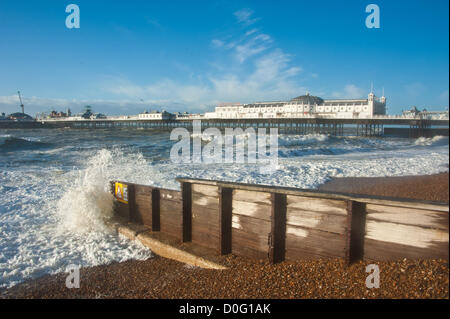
{"points": [[304, 106]]}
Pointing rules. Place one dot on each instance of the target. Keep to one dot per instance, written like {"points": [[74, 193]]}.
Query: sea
{"points": [[54, 185]]}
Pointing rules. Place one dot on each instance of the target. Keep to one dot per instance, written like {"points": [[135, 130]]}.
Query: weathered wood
{"points": [[251, 197], [132, 202], [170, 208], [304, 243], [208, 190], [382, 200], [277, 241], [241, 218], [411, 237], [255, 210], [385, 251], [320, 205], [203, 200], [143, 205], [186, 191], [249, 252], [408, 216], [356, 226], [156, 217], [241, 238], [169, 194], [225, 219], [171, 218], [321, 221], [251, 225]]}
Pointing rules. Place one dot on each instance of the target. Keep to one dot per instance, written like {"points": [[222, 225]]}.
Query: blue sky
{"points": [[191, 55]]}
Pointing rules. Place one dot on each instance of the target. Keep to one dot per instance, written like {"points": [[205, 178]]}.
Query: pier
{"points": [[415, 127]]}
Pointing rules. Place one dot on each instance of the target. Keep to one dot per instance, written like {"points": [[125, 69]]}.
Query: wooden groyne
{"points": [[279, 223]]}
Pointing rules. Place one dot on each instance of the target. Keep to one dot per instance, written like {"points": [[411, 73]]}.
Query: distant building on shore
{"points": [[304, 106], [414, 112], [19, 117]]}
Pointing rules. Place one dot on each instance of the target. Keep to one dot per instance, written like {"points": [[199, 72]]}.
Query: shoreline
{"points": [[159, 277]]}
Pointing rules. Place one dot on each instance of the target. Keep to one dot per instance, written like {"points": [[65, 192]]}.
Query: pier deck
{"points": [[308, 125]]}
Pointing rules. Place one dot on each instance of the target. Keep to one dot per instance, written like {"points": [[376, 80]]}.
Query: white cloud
{"points": [[217, 43], [350, 91], [244, 16]]}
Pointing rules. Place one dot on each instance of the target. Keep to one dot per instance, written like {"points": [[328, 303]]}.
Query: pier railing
{"points": [[278, 223]]}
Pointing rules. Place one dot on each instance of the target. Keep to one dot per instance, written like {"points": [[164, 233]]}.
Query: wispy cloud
{"points": [[244, 16], [350, 91], [254, 69]]}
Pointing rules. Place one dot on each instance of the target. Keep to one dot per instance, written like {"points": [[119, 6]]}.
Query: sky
{"points": [[131, 56]]}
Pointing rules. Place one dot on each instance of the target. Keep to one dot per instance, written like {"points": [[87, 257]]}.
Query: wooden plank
{"points": [[143, 208], [320, 205], [255, 210], [225, 219], [277, 241], [203, 200], [321, 221], [186, 193], [207, 190], [170, 207], [250, 252], [303, 243], [168, 194], [408, 216], [407, 235], [251, 225], [385, 251], [171, 219], [251, 197], [205, 225], [242, 238], [206, 239]]}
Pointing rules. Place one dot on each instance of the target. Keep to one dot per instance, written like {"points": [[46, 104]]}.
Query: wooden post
{"points": [[156, 220], [186, 193], [225, 215], [132, 202], [356, 228], [277, 238]]}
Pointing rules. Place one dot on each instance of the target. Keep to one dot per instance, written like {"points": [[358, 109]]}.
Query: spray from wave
{"points": [[87, 204]]}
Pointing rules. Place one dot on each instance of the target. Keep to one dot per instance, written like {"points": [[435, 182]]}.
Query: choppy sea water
{"points": [[54, 196]]}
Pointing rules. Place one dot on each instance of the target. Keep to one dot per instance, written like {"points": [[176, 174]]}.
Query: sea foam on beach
{"points": [[54, 185]]}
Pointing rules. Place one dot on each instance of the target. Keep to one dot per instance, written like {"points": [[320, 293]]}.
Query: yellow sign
{"points": [[121, 192]]}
